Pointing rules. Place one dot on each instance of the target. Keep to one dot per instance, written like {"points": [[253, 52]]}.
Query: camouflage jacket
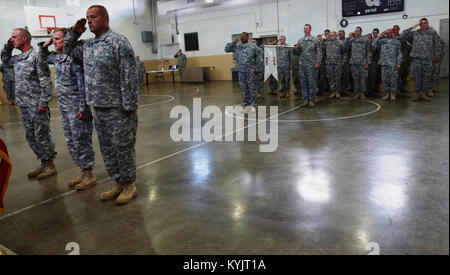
{"points": [[7, 72], [69, 81], [110, 69], [260, 63], [33, 82], [425, 44], [310, 51], [335, 52], [390, 52], [284, 56], [346, 49], [181, 60], [361, 50], [246, 55]]}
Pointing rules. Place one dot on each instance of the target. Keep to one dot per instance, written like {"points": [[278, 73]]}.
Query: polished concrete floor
{"points": [[346, 174]]}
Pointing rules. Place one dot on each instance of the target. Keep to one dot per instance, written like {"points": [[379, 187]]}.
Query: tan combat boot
{"points": [[357, 96], [333, 95], [37, 171], [386, 97], [430, 94], [338, 95], [362, 96], [128, 193], [311, 104], [77, 180], [304, 104], [49, 170], [88, 180], [416, 97], [111, 194], [425, 97], [393, 97]]}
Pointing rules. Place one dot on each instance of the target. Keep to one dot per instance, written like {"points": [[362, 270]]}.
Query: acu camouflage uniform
{"points": [[390, 57], [284, 56], [260, 70], [296, 72], [8, 81], [69, 84], [141, 70], [310, 52], [246, 58], [437, 65], [322, 79], [374, 79], [33, 89], [181, 63], [361, 55], [112, 85], [346, 69], [335, 57], [404, 71], [425, 47]]}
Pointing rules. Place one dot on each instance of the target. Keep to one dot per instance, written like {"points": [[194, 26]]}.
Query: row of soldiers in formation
{"points": [[101, 72], [321, 64]]}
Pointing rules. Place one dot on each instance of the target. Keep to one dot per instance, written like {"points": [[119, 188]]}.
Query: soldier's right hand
{"points": [[236, 39], [9, 43], [79, 26], [416, 25], [48, 43]]}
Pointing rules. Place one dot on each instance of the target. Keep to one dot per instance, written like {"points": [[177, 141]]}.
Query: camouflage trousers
{"points": [[284, 76], [296, 79], [273, 83], [247, 82], [259, 82], [117, 138], [403, 74], [389, 76], [37, 132], [308, 79], [322, 80], [423, 75], [78, 135], [334, 73], [359, 74], [9, 87], [374, 79], [436, 73], [346, 77]]}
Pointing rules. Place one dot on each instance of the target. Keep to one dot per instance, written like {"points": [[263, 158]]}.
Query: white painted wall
{"points": [[120, 11], [215, 25]]}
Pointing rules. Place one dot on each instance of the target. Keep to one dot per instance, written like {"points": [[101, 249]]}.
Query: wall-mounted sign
{"points": [[368, 7]]}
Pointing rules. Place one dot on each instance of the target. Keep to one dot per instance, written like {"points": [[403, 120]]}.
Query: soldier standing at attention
{"points": [[437, 67], [141, 69], [390, 60], [111, 79], [33, 93], [425, 51], [406, 62], [310, 53], [295, 67], [181, 62], [259, 69], [284, 56], [335, 56], [9, 83], [76, 117], [361, 54], [346, 69], [247, 58]]}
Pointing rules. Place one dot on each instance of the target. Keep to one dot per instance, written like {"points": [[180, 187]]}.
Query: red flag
{"points": [[5, 170]]}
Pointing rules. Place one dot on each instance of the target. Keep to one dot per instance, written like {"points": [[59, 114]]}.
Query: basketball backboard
{"points": [[40, 20]]}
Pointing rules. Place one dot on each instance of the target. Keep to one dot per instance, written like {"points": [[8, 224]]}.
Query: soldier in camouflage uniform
{"points": [[390, 50], [181, 62], [33, 93], [9, 83], [284, 56], [372, 83], [361, 54], [406, 62], [310, 52], [322, 79], [246, 57], [346, 69], [426, 50], [437, 66], [141, 69], [295, 66], [335, 56], [259, 69], [112, 85], [76, 117]]}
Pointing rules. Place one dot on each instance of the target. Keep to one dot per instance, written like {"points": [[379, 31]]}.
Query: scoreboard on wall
{"points": [[368, 7]]}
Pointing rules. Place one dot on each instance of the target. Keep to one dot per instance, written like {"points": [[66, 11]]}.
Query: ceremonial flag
{"points": [[270, 63], [5, 169]]}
